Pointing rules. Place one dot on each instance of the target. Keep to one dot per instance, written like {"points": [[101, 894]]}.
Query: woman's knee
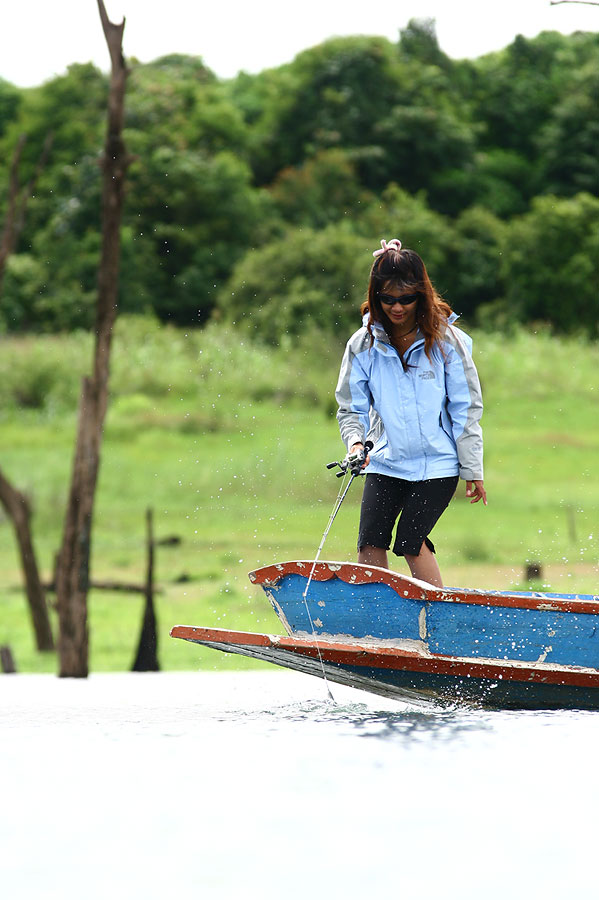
{"points": [[422, 553]]}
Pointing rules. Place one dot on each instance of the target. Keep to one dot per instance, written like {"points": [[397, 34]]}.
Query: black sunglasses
{"points": [[389, 300]]}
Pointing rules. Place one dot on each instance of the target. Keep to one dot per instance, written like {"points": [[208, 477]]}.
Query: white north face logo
{"points": [[428, 374]]}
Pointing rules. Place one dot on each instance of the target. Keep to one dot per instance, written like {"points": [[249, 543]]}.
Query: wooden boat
{"points": [[396, 636]]}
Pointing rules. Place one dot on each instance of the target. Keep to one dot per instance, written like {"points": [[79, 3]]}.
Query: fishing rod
{"points": [[354, 464]]}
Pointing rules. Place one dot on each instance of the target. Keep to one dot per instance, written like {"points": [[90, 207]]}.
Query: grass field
{"points": [[228, 442]]}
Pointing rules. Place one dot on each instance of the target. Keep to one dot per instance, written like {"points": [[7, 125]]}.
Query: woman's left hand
{"points": [[476, 490]]}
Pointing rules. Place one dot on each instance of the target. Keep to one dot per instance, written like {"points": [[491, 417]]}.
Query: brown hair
{"points": [[405, 269]]}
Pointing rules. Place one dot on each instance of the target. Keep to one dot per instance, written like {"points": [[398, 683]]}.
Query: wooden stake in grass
{"points": [[72, 576], [7, 663], [146, 658]]}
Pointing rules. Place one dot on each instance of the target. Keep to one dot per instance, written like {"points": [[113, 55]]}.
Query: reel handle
{"points": [[345, 464]]}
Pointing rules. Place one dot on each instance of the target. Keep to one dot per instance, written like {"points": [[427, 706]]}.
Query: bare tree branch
{"points": [[17, 508], [114, 37]]}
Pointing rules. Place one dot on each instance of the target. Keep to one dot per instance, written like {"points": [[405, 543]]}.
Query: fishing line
{"points": [[342, 492], [340, 497], [343, 489], [353, 465]]}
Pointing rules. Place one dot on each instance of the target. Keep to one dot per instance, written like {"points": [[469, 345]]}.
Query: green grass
{"points": [[227, 442]]}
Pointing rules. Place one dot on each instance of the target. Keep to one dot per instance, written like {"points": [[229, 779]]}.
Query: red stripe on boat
{"points": [[366, 656], [355, 573]]}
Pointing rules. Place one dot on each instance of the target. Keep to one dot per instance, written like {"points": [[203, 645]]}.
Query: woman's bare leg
{"points": [[373, 556], [424, 567]]}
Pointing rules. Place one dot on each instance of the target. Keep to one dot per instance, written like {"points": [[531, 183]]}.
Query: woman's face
{"points": [[401, 316]]}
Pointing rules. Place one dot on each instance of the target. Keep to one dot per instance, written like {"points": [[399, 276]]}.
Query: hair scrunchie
{"points": [[394, 244]]}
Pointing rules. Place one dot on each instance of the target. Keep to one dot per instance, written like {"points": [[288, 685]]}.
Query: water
{"points": [[255, 785]]}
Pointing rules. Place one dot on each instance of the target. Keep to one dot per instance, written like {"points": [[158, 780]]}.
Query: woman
{"points": [[409, 384]]}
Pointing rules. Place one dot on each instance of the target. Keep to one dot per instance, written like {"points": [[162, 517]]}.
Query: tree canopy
{"points": [[259, 198]]}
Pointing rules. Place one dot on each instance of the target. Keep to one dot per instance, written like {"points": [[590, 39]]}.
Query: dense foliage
{"points": [[260, 199]]}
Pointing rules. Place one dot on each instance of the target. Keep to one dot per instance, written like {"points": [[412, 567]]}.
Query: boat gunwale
{"points": [[413, 589]]}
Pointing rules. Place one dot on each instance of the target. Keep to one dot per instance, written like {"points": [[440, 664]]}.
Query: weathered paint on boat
{"points": [[365, 602], [414, 674], [387, 633]]}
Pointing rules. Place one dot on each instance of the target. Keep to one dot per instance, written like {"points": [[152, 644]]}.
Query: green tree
{"points": [[330, 96], [71, 106], [569, 140], [192, 216], [420, 141], [551, 263], [418, 42], [479, 238], [176, 101], [515, 92], [324, 189], [51, 284], [501, 181], [373, 137], [399, 214], [10, 101], [517, 89], [305, 280], [62, 216], [191, 208]]}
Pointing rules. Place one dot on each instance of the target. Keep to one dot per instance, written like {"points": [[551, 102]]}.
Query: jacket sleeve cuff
{"points": [[354, 439], [470, 475]]}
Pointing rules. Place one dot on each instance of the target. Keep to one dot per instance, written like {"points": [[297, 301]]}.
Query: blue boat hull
{"points": [[379, 631], [367, 603]]}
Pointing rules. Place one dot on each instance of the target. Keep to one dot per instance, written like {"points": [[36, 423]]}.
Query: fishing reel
{"points": [[353, 462]]}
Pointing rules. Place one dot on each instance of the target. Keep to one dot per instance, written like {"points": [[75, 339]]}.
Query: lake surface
{"points": [[256, 785]]}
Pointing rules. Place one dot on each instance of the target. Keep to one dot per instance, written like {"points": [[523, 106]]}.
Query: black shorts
{"points": [[418, 504]]}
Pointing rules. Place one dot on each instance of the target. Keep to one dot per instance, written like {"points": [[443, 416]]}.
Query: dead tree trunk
{"points": [[17, 508], [72, 576], [146, 658]]}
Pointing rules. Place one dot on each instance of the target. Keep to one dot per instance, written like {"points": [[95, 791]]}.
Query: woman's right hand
{"points": [[355, 448]]}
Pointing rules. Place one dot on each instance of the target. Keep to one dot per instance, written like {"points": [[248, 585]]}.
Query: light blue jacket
{"points": [[424, 422]]}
